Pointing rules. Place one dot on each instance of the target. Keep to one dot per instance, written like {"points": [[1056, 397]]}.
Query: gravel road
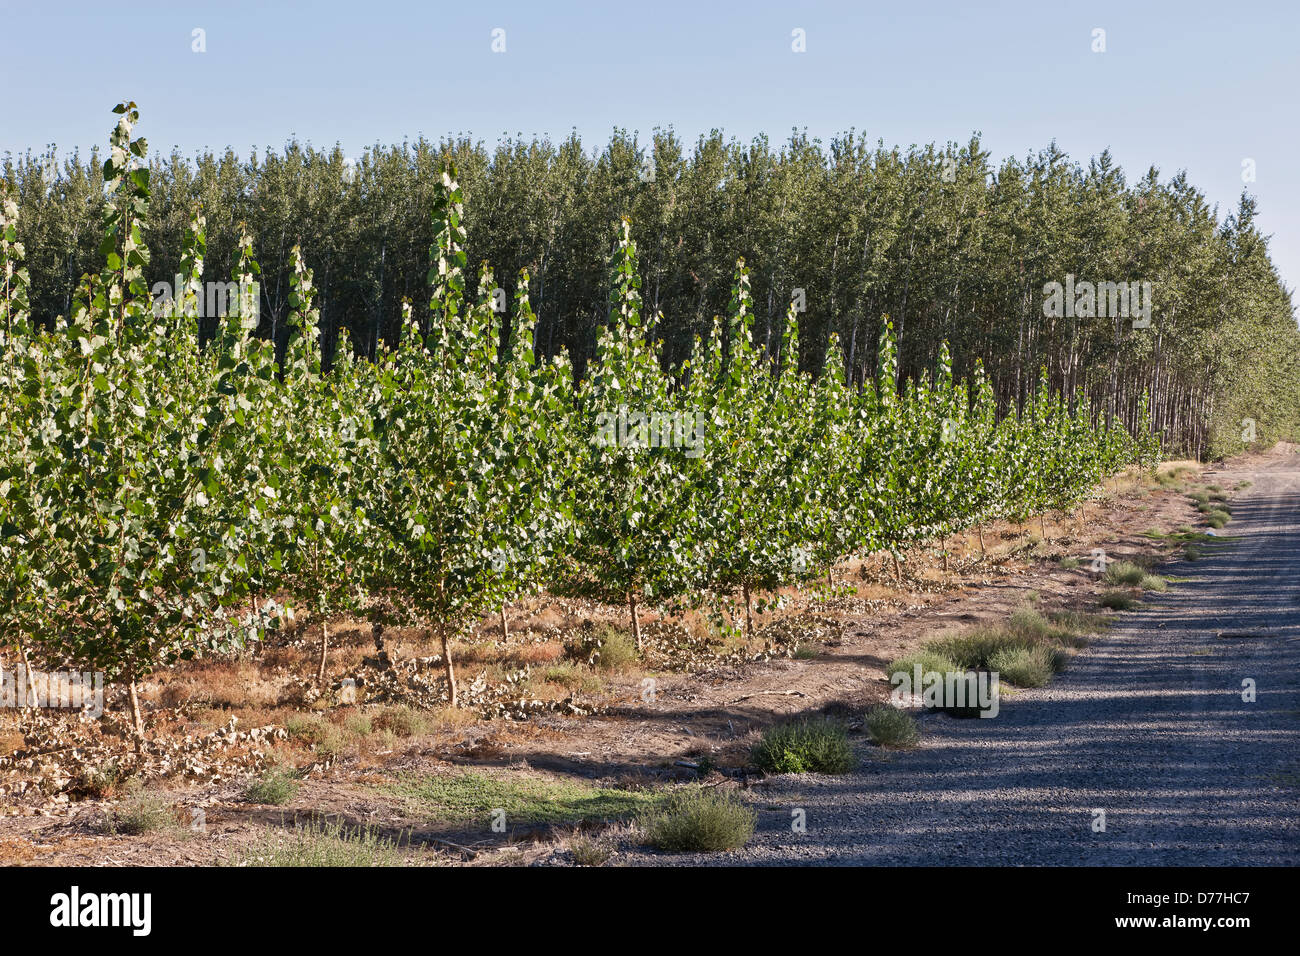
{"points": [[1148, 725]]}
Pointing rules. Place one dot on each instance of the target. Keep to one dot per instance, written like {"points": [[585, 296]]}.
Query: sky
{"points": [[1201, 87]]}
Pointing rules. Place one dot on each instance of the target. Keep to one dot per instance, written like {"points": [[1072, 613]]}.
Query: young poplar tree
{"points": [[151, 447], [451, 473], [315, 526], [759, 475], [633, 508]]}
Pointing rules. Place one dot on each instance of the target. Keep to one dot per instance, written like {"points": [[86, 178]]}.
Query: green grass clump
{"points": [[102, 781], [1036, 626], [324, 844], [930, 660], [139, 813], [1070, 564], [277, 787], [617, 650], [327, 738], [973, 650], [572, 676], [1124, 573], [891, 727], [589, 852], [606, 647], [1027, 666], [359, 725], [817, 745], [1075, 627], [402, 721], [805, 651], [1217, 519], [468, 796], [1118, 600], [700, 821], [1128, 574], [1184, 535]]}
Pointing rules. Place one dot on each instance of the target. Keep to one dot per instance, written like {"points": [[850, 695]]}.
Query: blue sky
{"points": [[1185, 85]]}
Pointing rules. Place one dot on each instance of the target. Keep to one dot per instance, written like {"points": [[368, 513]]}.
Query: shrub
{"points": [[700, 821], [929, 659], [606, 647], [358, 724], [324, 844], [1124, 573], [324, 736], [276, 787], [1073, 628], [973, 651], [1217, 519], [589, 852], [1118, 600], [141, 813], [818, 745], [1025, 666], [402, 721], [891, 727], [100, 782]]}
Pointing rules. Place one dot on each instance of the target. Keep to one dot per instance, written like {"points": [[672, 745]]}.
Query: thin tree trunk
{"points": [[446, 662], [636, 622], [505, 625], [749, 620], [26, 703], [898, 569], [981, 530], [137, 721], [324, 649]]}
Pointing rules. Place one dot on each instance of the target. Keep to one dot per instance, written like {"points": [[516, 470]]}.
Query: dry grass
{"points": [[10, 741], [220, 684]]}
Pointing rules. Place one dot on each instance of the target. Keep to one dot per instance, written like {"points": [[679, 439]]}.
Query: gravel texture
{"points": [[1148, 724]]}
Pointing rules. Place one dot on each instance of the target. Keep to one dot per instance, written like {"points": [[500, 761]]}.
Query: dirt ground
{"points": [[670, 718]]}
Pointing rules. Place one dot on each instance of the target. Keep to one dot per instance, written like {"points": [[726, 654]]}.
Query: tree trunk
{"points": [[636, 622], [505, 625], [898, 569], [26, 702], [981, 530], [137, 721], [749, 620], [945, 553], [324, 649], [446, 662]]}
